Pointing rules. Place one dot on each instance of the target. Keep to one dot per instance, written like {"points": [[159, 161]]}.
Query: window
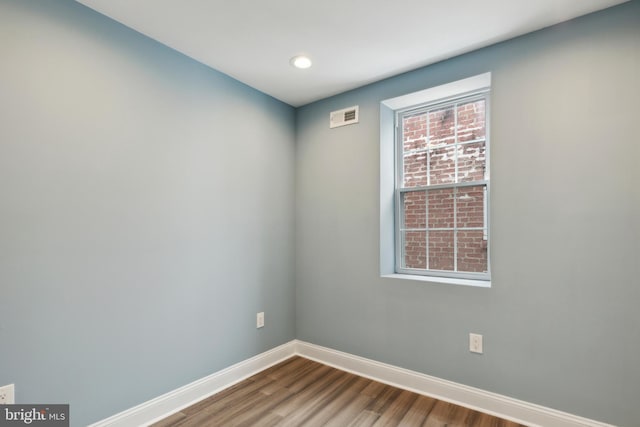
{"points": [[441, 181]]}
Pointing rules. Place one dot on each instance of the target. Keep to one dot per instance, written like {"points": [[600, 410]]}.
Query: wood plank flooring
{"points": [[301, 392]]}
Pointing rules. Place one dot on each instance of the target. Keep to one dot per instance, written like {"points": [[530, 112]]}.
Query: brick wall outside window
{"points": [[434, 142]]}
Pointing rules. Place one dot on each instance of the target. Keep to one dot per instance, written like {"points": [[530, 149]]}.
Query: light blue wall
{"points": [[561, 323], [146, 213]]}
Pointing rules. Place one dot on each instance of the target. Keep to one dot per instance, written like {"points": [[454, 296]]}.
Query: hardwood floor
{"points": [[301, 392]]}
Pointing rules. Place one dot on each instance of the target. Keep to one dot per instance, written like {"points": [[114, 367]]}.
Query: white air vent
{"points": [[347, 116]]}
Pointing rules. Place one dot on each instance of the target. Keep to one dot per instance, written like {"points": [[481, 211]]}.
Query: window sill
{"points": [[445, 280]]}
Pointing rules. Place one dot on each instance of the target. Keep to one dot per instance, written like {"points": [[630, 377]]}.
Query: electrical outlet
{"points": [[475, 343], [7, 394], [260, 320]]}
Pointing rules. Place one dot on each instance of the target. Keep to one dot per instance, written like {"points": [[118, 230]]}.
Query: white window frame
{"points": [[390, 239]]}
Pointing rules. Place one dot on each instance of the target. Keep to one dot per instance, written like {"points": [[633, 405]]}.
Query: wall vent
{"points": [[346, 116]]}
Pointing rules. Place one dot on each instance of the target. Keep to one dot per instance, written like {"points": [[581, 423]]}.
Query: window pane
{"points": [[442, 166], [441, 250], [471, 162], [471, 121], [415, 209], [414, 132], [472, 251], [470, 206], [442, 127], [415, 249], [440, 205], [415, 169]]}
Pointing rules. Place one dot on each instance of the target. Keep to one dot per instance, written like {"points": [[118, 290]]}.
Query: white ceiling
{"points": [[351, 42]]}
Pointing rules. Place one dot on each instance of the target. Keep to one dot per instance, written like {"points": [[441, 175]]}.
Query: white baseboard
{"points": [[491, 403], [161, 407]]}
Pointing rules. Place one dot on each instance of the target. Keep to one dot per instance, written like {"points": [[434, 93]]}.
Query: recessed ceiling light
{"points": [[301, 62]]}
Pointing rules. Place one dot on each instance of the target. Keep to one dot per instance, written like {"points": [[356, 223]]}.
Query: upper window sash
{"points": [[473, 96]]}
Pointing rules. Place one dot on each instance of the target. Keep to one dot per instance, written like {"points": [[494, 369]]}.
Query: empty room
{"points": [[309, 213]]}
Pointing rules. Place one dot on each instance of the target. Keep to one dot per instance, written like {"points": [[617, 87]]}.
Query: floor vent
{"points": [[347, 116]]}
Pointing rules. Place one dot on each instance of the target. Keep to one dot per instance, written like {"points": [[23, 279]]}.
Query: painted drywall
{"points": [[146, 211], [560, 322]]}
